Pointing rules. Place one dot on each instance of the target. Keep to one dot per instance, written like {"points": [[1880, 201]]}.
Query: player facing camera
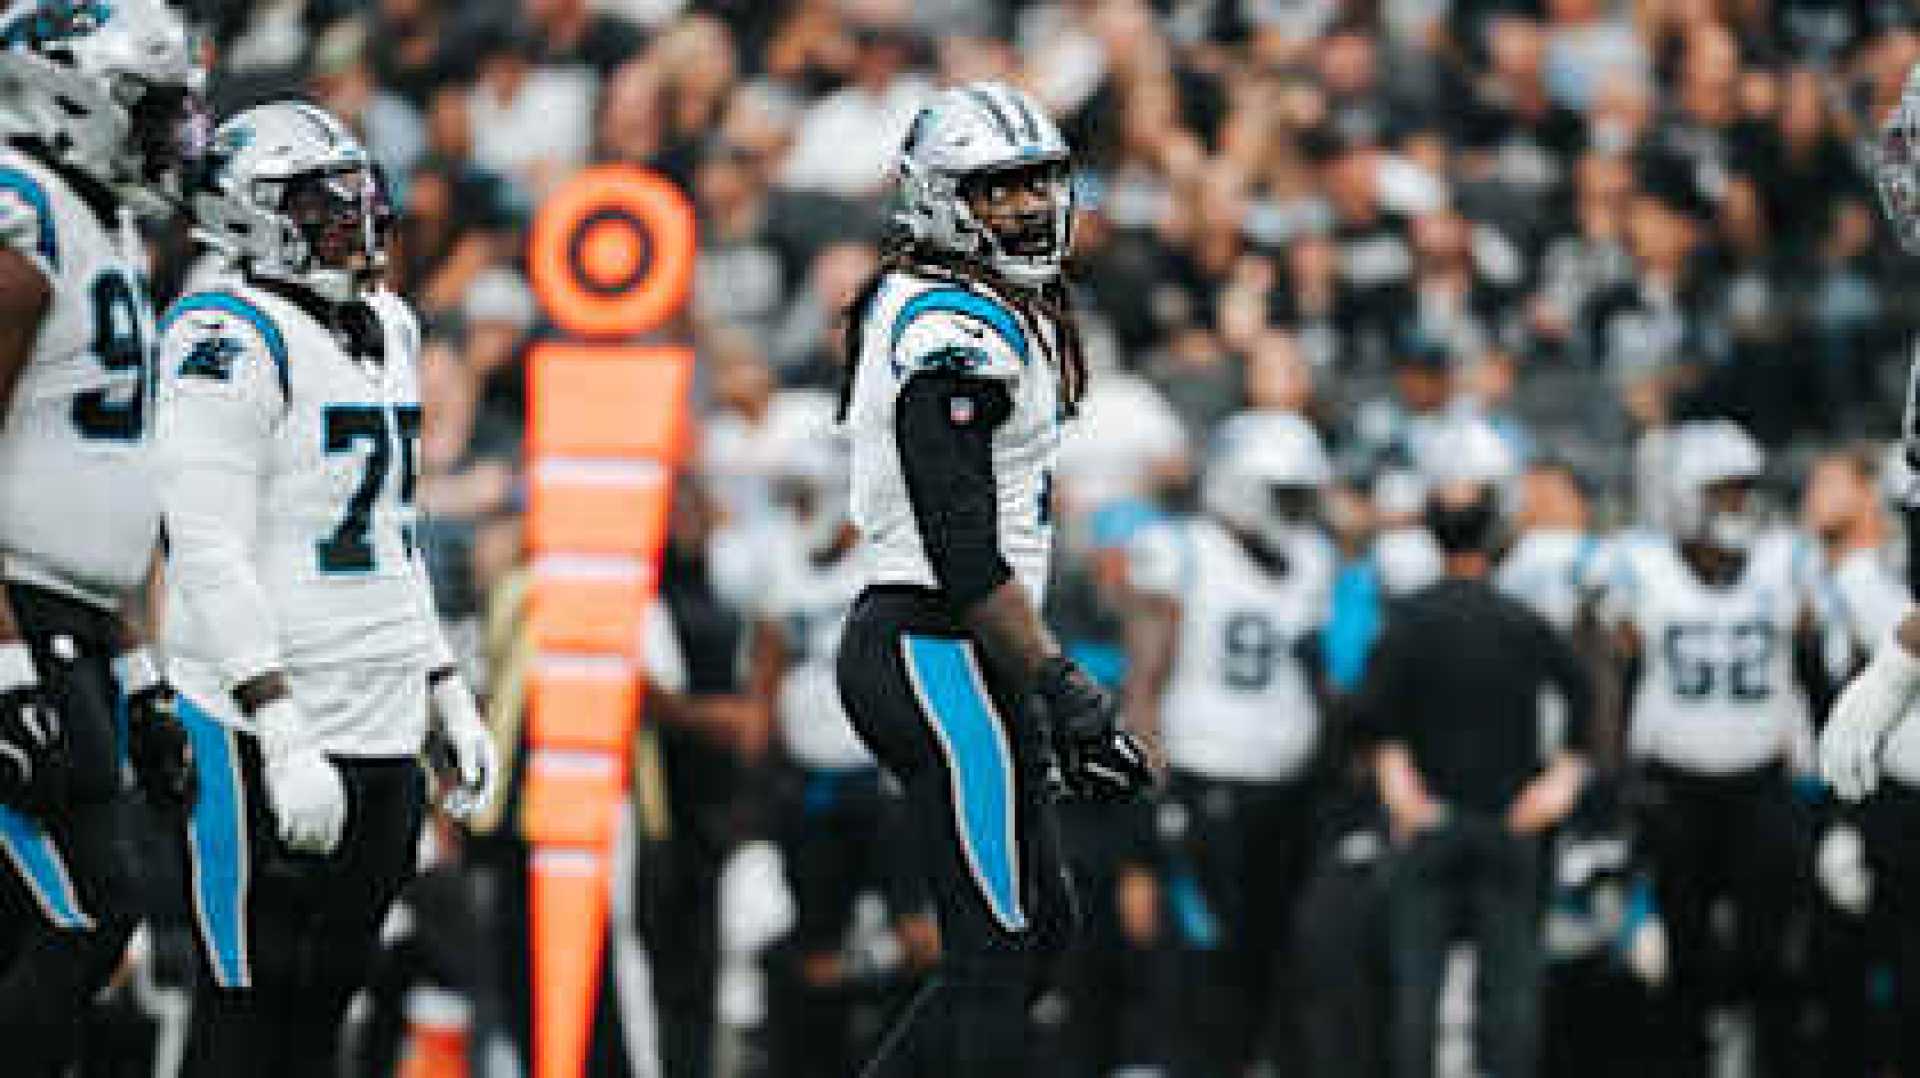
{"points": [[291, 195], [1718, 513], [1024, 213]]}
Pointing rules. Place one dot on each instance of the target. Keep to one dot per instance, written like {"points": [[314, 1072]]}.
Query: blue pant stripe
{"points": [[40, 863], [217, 833], [979, 763]]}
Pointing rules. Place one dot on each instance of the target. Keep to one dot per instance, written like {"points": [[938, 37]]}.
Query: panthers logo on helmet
{"points": [[56, 20]]}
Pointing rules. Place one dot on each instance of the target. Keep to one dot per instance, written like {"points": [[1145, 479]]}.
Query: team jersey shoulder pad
{"points": [[26, 217], [945, 327], [1319, 563], [206, 335], [1160, 558]]}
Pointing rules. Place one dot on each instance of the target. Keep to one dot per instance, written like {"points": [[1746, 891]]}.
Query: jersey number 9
{"points": [[120, 346]]}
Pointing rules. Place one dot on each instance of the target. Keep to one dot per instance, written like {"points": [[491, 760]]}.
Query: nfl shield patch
{"points": [[960, 410]]}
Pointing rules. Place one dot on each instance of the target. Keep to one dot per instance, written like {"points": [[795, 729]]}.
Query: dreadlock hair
{"points": [[900, 252]]}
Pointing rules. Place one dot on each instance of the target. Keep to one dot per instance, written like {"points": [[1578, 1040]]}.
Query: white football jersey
{"points": [[77, 506], [255, 391], [1717, 693], [810, 602], [1868, 600], [914, 324], [1554, 571], [1238, 704]]}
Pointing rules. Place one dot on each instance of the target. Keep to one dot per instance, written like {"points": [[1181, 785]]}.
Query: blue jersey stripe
{"points": [[228, 303], [980, 762], [43, 868], [24, 185], [217, 834], [969, 304]]}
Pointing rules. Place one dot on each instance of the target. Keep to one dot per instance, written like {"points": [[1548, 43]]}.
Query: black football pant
{"points": [[1237, 868], [286, 938], [1890, 823], [973, 770], [1743, 838], [69, 887]]}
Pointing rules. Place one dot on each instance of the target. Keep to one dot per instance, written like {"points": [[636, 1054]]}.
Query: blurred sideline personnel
{"points": [[1870, 729], [1471, 786], [99, 116], [1223, 671], [1717, 626], [964, 360], [1868, 858], [301, 630], [839, 822]]}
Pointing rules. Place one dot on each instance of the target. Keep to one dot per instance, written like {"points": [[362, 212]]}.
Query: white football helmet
{"points": [[109, 87], [1467, 449], [1266, 476], [964, 136], [291, 195], [1711, 454]]}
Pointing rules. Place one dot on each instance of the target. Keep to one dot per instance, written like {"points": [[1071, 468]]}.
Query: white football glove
{"points": [[1873, 703], [303, 787], [469, 746], [1840, 864]]}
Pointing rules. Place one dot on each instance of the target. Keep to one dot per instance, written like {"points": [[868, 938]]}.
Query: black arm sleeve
{"points": [[1810, 670], [943, 430], [1379, 708]]}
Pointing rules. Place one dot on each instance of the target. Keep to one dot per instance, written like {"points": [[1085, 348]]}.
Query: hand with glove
{"points": [[1873, 703], [461, 747], [1098, 760], [157, 744], [304, 789], [33, 748]]}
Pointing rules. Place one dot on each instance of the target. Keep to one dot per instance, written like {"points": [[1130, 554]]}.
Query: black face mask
{"points": [[1025, 234], [345, 217], [170, 129], [1464, 529]]}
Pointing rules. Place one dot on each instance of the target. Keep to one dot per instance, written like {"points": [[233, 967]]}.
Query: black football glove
{"points": [[33, 752], [158, 746], [1098, 760]]}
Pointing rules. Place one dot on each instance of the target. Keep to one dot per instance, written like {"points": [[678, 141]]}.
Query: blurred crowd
{"points": [[1576, 223]]}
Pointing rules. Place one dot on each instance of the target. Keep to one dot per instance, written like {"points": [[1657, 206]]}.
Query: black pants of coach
{"points": [[286, 938], [1236, 869], [1741, 838], [68, 883], [973, 771], [1467, 878]]}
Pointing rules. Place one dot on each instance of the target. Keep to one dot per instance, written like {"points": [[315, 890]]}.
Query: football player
{"points": [[97, 106], [301, 632], [1868, 857], [1223, 668], [1882, 695], [963, 362], [1716, 621]]}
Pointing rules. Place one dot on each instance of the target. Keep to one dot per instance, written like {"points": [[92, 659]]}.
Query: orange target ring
{"points": [[611, 252]]}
